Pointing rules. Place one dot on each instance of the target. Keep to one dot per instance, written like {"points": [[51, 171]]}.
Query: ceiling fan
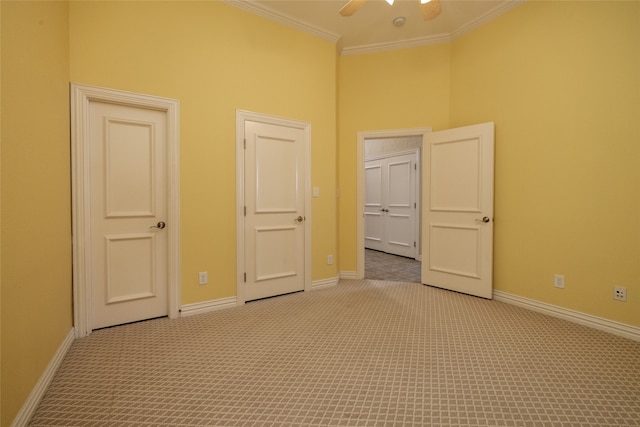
{"points": [[430, 8]]}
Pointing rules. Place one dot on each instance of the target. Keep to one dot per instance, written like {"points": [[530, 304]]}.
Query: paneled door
{"points": [[128, 157], [125, 203], [391, 205], [275, 220], [458, 199], [374, 227]]}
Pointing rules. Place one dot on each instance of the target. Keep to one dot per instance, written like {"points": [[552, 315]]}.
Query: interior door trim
{"points": [[362, 136], [81, 97], [241, 117]]}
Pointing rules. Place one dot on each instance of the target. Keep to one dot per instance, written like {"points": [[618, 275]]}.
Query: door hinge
{"points": [[245, 211], [414, 205], [414, 244], [245, 277], [415, 167], [244, 143]]}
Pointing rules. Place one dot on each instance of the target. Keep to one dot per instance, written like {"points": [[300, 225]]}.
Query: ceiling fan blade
{"points": [[431, 10], [351, 7]]}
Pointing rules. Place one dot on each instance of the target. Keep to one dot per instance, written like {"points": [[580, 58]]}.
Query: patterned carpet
{"points": [[363, 353], [382, 266]]}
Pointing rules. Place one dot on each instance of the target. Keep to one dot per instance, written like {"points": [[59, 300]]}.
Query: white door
{"points": [[275, 210], [390, 205], [128, 204], [458, 219], [401, 205], [374, 232]]}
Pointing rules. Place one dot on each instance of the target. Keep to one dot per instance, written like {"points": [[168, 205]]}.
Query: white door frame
{"points": [[81, 96], [362, 136], [241, 117]]}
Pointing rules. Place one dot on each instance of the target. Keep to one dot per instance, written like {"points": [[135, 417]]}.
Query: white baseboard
{"points": [[606, 325], [32, 402], [324, 283], [349, 275], [207, 306]]}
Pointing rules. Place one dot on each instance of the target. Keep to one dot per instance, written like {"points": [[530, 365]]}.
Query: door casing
{"points": [[81, 97], [241, 117], [360, 157]]}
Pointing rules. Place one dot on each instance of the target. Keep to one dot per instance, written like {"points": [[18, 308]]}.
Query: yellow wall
{"points": [[564, 96], [561, 82], [215, 59], [36, 228], [406, 88]]}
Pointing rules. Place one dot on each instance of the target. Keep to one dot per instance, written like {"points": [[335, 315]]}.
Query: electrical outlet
{"points": [[558, 281], [203, 278], [330, 259], [619, 293]]}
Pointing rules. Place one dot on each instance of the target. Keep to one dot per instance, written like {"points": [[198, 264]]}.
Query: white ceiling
{"points": [[371, 28]]}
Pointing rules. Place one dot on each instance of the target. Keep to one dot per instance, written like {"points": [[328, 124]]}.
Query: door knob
{"points": [[159, 225], [484, 219], [299, 219]]}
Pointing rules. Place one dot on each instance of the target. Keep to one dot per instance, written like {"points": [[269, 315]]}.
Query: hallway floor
{"points": [[382, 266]]}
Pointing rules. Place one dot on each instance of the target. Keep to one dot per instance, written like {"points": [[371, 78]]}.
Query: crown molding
{"points": [[255, 8], [260, 10], [402, 44], [483, 19], [435, 39]]}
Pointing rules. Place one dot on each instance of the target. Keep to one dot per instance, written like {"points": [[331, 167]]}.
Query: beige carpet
{"points": [[364, 353]]}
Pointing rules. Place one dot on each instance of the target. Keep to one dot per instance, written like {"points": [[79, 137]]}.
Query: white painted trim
{"points": [[37, 393], [349, 275], [265, 12], [483, 19], [402, 44], [207, 306], [362, 136], [437, 38], [606, 325], [241, 117], [81, 96], [325, 283], [380, 156]]}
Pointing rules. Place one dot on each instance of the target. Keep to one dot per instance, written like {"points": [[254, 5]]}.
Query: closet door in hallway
{"points": [[391, 204]]}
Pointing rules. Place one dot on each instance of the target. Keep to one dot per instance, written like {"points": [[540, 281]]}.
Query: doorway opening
{"points": [[388, 220]]}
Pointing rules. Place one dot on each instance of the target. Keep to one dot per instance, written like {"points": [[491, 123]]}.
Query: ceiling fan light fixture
{"points": [[390, 2], [399, 21], [431, 9], [424, 1]]}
